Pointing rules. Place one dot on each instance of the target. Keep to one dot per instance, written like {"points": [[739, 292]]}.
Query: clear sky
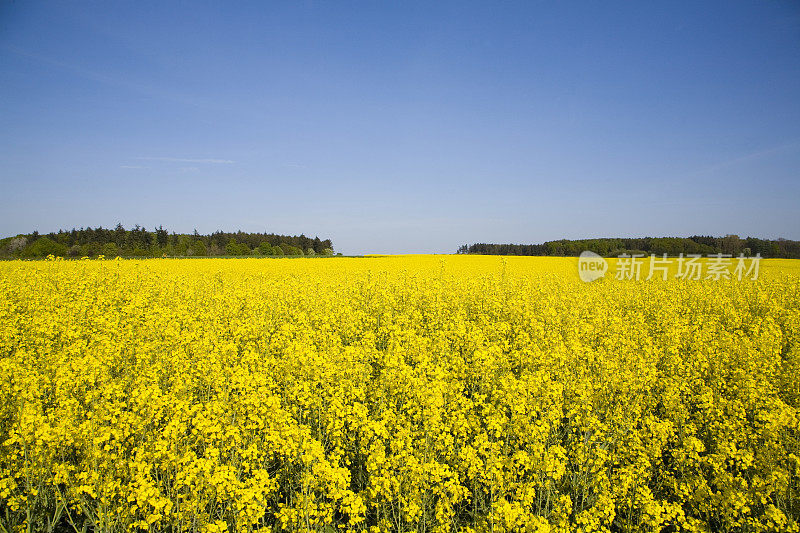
{"points": [[403, 127]]}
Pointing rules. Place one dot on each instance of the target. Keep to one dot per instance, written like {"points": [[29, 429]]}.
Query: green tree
{"points": [[110, 250], [232, 248], [119, 235], [42, 247], [199, 248], [162, 236]]}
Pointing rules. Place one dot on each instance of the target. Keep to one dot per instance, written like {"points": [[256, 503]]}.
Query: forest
{"points": [[672, 246], [140, 242]]}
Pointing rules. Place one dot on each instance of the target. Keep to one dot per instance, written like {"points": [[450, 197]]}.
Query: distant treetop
{"points": [[672, 246], [140, 242]]}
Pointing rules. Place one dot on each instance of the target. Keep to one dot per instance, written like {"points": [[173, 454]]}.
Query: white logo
{"points": [[591, 266], [629, 267]]}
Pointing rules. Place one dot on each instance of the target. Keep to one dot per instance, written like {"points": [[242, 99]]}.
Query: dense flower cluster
{"points": [[418, 393]]}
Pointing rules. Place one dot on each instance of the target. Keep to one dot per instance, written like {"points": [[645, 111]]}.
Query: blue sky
{"points": [[403, 127]]}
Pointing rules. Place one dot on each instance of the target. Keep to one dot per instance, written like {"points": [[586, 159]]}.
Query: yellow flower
{"points": [[462, 393]]}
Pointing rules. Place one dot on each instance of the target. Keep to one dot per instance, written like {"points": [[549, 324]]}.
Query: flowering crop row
{"points": [[411, 393]]}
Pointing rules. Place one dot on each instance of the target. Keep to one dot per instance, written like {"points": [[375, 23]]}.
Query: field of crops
{"points": [[414, 393]]}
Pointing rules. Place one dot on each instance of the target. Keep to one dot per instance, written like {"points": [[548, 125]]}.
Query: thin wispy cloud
{"points": [[752, 156], [188, 160], [122, 82], [132, 166]]}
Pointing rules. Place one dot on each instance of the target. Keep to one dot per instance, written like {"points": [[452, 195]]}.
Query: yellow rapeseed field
{"points": [[411, 393]]}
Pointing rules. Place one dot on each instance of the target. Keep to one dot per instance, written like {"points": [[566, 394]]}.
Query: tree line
{"points": [[140, 242], [672, 246]]}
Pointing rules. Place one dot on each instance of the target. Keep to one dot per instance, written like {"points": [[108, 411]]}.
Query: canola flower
{"points": [[412, 393]]}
